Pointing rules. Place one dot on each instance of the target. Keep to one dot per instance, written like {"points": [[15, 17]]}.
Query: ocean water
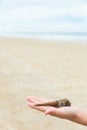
{"points": [[48, 36]]}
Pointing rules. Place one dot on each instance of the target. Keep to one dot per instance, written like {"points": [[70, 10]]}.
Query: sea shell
{"points": [[57, 103]]}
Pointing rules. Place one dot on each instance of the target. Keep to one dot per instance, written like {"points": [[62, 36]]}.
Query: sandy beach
{"points": [[40, 68]]}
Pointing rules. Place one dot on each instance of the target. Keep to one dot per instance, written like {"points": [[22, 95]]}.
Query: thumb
{"points": [[49, 111]]}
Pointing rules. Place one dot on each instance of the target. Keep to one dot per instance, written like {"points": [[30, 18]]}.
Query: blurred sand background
{"points": [[40, 68]]}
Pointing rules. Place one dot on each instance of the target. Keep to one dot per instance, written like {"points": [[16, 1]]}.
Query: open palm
{"points": [[63, 112]]}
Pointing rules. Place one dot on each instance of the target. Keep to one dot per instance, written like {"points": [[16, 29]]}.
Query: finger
{"points": [[41, 108], [33, 100], [37, 100], [28, 98], [50, 111], [42, 99]]}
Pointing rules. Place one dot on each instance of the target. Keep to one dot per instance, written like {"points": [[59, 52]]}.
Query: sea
{"points": [[48, 36]]}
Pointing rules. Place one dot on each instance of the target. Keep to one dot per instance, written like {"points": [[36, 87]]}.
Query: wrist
{"points": [[80, 118]]}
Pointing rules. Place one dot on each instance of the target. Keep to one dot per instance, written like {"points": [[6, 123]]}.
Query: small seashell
{"points": [[57, 103]]}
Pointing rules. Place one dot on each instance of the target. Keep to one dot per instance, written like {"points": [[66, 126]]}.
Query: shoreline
{"points": [[43, 40], [49, 38]]}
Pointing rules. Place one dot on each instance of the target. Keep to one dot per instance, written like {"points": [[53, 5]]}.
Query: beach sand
{"points": [[40, 68]]}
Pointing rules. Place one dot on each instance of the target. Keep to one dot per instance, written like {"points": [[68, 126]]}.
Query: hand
{"points": [[63, 112]]}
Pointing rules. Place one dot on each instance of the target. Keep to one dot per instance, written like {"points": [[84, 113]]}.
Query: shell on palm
{"points": [[57, 103]]}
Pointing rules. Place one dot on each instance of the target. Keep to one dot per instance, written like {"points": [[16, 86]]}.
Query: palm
{"points": [[63, 112]]}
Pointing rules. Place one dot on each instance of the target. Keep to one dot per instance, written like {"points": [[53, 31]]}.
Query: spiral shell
{"points": [[57, 103]]}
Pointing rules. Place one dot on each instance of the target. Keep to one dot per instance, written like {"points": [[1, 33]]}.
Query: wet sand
{"points": [[45, 69]]}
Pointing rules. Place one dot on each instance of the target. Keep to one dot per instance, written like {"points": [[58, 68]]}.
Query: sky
{"points": [[43, 16]]}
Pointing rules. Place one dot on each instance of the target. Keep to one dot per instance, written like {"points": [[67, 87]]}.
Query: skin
{"points": [[71, 113]]}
